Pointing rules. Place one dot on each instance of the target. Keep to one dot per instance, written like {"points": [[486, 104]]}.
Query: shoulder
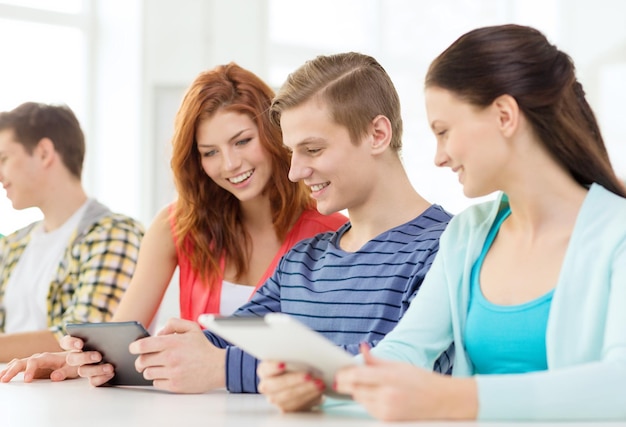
{"points": [[600, 201], [601, 219], [433, 220], [317, 243], [426, 227], [18, 236], [468, 228], [100, 220], [478, 215], [166, 217], [115, 221]]}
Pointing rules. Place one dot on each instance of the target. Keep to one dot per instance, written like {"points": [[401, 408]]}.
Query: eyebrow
{"points": [[235, 136], [309, 140]]}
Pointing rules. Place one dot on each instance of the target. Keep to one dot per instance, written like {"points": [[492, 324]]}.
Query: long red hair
{"points": [[208, 218]]}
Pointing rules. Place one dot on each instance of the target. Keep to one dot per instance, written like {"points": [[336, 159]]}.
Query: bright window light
{"points": [[42, 63], [65, 6]]}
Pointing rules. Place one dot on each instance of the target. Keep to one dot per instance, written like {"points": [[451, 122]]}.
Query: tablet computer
{"points": [[112, 339], [280, 337]]}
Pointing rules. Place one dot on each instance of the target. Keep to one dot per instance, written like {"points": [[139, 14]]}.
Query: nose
{"points": [[230, 160], [298, 169], [441, 157]]}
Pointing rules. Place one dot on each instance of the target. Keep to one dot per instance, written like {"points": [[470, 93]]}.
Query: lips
{"points": [[241, 177], [318, 187]]}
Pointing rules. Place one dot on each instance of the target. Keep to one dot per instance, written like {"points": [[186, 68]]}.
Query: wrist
{"points": [[461, 398]]}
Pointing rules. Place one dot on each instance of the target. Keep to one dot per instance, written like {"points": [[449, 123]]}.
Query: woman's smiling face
{"points": [[469, 141], [232, 154]]}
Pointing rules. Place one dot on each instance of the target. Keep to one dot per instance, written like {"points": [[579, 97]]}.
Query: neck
{"points": [[60, 205], [543, 198], [257, 213], [393, 202]]}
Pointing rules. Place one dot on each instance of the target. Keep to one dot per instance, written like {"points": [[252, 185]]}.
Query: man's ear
{"points": [[381, 133], [508, 114], [45, 151]]}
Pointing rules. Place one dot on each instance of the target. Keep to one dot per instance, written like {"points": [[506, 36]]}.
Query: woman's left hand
{"points": [[395, 391], [291, 391]]}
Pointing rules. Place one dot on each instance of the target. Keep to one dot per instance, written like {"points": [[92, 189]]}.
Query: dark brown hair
{"points": [[32, 121], [519, 61], [208, 218]]}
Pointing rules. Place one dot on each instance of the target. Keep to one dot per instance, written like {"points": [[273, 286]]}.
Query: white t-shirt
{"points": [[233, 296], [26, 293]]}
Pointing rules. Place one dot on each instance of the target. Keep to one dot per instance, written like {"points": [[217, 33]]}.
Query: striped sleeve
{"points": [[240, 366]]}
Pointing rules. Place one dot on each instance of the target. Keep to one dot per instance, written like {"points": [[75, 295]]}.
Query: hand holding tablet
{"points": [[280, 337], [111, 339]]}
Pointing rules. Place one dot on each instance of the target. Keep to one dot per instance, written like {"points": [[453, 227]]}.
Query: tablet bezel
{"points": [[111, 339], [280, 337]]}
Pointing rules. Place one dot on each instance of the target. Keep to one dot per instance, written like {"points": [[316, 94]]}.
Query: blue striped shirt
{"points": [[349, 297]]}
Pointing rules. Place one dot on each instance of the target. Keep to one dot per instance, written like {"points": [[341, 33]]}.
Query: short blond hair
{"points": [[355, 88]]}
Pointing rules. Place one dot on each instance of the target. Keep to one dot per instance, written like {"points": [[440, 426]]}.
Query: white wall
{"points": [[113, 159], [144, 53]]}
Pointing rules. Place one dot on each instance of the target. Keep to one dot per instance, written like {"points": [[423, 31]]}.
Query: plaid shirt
{"points": [[94, 272]]}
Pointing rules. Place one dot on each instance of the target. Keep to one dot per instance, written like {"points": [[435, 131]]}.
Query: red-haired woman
{"points": [[237, 212]]}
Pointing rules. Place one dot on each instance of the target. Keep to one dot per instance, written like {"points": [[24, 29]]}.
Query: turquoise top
{"points": [[504, 339]]}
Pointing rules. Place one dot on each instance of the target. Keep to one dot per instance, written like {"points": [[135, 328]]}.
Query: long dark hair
{"points": [[519, 61]]}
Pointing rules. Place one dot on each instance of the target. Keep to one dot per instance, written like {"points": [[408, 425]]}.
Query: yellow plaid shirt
{"points": [[94, 272]]}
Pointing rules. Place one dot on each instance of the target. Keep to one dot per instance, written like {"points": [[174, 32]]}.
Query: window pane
{"points": [[43, 63], [321, 24], [612, 78], [66, 6]]}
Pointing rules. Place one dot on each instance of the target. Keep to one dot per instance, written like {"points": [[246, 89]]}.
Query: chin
{"points": [[471, 193], [22, 204], [19, 207], [325, 209], [475, 193]]}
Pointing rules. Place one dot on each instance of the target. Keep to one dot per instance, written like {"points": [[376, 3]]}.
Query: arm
{"points": [[425, 331], [182, 359], [391, 389], [155, 267], [396, 391], [241, 367], [25, 344]]}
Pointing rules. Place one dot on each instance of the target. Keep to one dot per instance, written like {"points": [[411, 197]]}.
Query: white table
{"points": [[75, 403]]}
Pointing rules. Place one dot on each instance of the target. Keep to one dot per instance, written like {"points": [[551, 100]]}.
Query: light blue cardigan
{"points": [[586, 335]]}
